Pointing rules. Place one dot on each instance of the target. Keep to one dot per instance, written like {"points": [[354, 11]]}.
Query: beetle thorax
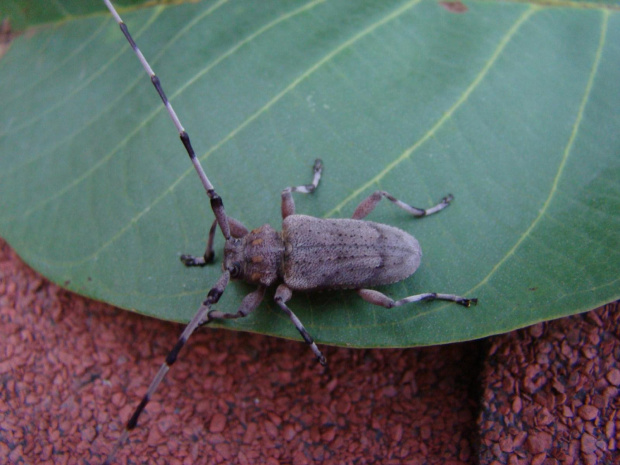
{"points": [[256, 257]]}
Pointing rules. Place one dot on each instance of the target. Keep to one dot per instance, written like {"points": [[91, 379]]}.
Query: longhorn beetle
{"points": [[309, 254]]}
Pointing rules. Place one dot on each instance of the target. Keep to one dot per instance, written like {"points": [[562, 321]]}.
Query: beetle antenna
{"points": [[202, 315], [216, 201], [200, 318]]}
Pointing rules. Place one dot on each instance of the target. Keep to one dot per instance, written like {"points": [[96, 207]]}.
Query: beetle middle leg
{"points": [[288, 204], [283, 295], [367, 205], [377, 298]]}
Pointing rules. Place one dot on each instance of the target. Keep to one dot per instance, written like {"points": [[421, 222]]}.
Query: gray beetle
{"points": [[309, 254], [313, 254]]}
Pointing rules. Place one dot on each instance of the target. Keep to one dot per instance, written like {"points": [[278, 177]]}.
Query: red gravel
{"points": [[552, 393], [72, 370]]}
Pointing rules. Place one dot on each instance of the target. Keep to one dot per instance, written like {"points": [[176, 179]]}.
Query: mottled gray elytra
{"points": [[309, 254]]}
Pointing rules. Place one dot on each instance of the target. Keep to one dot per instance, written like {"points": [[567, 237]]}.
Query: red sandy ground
{"points": [[551, 393], [72, 370]]}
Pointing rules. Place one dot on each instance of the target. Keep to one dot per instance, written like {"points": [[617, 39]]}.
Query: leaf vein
{"points": [[567, 150], [68, 96], [441, 121], [329, 56]]}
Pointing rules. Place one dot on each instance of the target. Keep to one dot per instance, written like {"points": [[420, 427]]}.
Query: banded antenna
{"points": [[173, 116], [202, 315]]}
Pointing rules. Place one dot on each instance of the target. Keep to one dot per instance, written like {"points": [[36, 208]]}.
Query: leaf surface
{"points": [[25, 13], [511, 107]]}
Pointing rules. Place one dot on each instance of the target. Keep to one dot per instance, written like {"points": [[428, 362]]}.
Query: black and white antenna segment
{"points": [[218, 209], [175, 119]]}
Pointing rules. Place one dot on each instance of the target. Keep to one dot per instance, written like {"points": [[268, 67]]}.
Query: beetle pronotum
{"points": [[309, 254]]}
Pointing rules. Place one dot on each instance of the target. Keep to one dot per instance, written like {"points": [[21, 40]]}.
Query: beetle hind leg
{"points": [[377, 298]]}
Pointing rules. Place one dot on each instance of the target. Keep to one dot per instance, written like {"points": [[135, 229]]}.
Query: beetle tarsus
{"points": [[468, 302], [190, 260]]}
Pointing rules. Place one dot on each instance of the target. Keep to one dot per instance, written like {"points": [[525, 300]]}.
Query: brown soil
{"points": [[72, 370]]}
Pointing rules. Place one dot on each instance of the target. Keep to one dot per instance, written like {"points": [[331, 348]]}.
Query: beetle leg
{"points": [[377, 298], [191, 260], [369, 204], [283, 295], [288, 204], [237, 229], [249, 303]]}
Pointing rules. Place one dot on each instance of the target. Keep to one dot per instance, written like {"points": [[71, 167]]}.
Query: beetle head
{"points": [[234, 257]]}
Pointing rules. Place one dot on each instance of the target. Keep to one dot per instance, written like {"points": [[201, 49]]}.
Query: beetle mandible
{"points": [[308, 254]]}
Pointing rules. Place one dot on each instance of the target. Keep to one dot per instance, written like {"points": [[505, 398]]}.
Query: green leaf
{"points": [[511, 107], [25, 13]]}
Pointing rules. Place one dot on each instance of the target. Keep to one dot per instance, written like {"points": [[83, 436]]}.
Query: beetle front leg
{"points": [[288, 204], [249, 303], [377, 298], [209, 255], [367, 205], [283, 295], [237, 229]]}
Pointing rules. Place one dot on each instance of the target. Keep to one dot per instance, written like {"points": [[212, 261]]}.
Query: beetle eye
{"points": [[235, 271]]}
